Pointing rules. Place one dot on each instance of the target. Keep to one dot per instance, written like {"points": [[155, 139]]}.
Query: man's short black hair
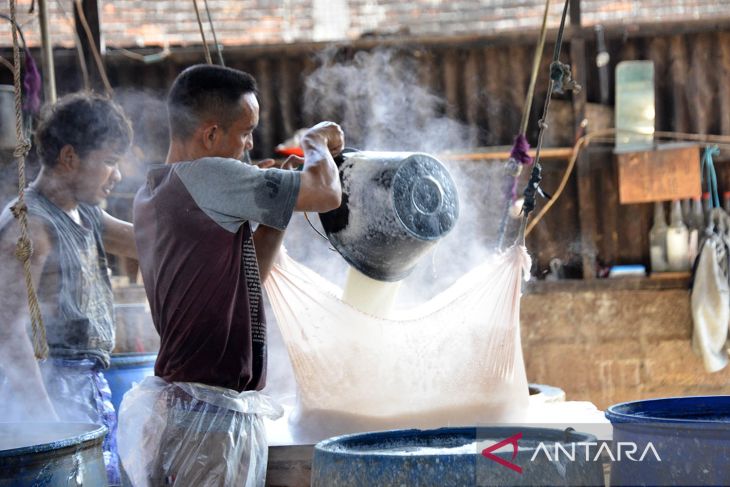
{"points": [[203, 91], [85, 121]]}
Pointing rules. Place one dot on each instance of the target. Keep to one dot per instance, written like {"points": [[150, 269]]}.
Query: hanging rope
{"points": [[215, 39], [709, 175], [77, 43], [608, 136], [147, 58], [535, 70], [94, 50], [208, 59], [519, 155], [24, 248], [560, 80]]}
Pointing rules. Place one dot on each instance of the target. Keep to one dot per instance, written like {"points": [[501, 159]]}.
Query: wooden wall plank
{"points": [[485, 79], [679, 67]]}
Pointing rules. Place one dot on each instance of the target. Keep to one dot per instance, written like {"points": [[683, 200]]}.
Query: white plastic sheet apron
{"points": [[188, 434], [711, 295], [455, 360]]}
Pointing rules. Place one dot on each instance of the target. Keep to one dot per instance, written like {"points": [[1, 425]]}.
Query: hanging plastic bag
{"points": [[710, 296], [188, 434]]}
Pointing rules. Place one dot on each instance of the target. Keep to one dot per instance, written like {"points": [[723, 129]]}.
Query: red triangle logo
{"points": [[512, 440]]}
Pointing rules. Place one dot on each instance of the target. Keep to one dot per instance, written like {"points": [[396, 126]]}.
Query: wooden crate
{"points": [[669, 172]]}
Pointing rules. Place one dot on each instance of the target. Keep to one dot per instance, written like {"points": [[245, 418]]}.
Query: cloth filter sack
{"points": [[455, 360], [188, 434], [710, 296]]}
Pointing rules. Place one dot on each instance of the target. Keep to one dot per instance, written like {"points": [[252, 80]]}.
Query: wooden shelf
{"points": [[676, 281]]}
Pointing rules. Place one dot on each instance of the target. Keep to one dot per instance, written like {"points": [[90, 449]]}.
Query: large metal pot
{"points": [[395, 207]]}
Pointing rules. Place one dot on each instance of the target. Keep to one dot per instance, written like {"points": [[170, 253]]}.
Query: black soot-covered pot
{"points": [[395, 207]]}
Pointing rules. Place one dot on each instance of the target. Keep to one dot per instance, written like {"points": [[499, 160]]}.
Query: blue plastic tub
{"points": [[448, 457], [51, 454], [691, 436], [127, 369]]}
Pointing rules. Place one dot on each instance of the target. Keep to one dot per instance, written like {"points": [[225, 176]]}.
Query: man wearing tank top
{"points": [[202, 266], [80, 141]]}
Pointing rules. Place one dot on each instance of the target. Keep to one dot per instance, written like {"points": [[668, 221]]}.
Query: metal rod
{"points": [[49, 74]]}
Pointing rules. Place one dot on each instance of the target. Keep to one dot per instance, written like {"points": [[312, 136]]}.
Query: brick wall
{"points": [[128, 23], [610, 346]]}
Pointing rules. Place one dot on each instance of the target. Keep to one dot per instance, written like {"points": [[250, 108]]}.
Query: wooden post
{"points": [[49, 70], [90, 9], [586, 202]]}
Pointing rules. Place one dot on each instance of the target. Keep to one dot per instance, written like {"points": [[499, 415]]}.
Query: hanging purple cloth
{"points": [[520, 150], [519, 156], [31, 85]]}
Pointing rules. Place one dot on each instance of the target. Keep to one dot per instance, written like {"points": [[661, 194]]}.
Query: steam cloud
{"points": [[378, 100]]}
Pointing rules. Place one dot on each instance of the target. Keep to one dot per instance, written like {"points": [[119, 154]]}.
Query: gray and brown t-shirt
{"points": [[191, 224]]}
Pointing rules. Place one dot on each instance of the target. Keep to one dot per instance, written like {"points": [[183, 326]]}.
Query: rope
{"points": [[24, 248], [608, 136], [708, 169], [560, 77], [583, 141], [535, 70], [94, 50], [519, 155], [147, 58], [215, 39], [208, 59], [77, 43]]}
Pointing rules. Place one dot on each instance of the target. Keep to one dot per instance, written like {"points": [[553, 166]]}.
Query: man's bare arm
{"points": [[18, 360], [118, 236], [267, 241], [320, 188]]}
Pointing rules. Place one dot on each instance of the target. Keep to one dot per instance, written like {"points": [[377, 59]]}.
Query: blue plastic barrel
{"points": [[127, 369], [51, 454], [450, 457], [690, 435]]}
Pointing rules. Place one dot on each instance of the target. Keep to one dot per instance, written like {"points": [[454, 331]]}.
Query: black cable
{"points": [[559, 72]]}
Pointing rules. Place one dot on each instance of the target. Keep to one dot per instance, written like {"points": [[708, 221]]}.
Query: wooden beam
{"points": [[90, 10], [187, 54], [503, 153], [586, 204]]}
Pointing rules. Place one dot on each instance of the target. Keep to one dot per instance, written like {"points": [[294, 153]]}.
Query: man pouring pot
{"points": [[199, 421]]}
